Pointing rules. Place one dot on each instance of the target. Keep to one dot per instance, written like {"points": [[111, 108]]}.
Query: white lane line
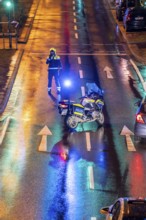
{"points": [[91, 177], [81, 73], [74, 8], [130, 144], [73, 2], [75, 20], [83, 91], [75, 27], [79, 60], [93, 218], [74, 13], [88, 141], [139, 74], [76, 35], [4, 129]]}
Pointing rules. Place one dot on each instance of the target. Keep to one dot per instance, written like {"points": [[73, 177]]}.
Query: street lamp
{"points": [[9, 4], [143, 2]]}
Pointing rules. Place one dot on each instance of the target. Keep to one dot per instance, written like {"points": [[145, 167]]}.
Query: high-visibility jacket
{"points": [[54, 62]]}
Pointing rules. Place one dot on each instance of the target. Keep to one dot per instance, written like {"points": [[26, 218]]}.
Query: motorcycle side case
{"points": [[63, 106]]}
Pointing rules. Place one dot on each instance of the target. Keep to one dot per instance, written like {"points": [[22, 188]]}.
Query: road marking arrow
{"points": [[44, 132], [108, 71], [126, 132]]}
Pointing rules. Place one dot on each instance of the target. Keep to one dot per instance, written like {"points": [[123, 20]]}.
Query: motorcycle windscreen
{"points": [[92, 87]]}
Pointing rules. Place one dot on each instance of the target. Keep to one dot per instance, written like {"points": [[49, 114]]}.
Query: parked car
{"points": [[140, 121], [126, 209], [134, 18], [121, 7]]}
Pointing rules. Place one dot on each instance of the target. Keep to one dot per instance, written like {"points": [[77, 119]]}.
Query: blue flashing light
{"points": [[67, 83]]}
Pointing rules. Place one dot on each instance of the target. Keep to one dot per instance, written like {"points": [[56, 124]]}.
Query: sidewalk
{"points": [[9, 64], [11, 58]]}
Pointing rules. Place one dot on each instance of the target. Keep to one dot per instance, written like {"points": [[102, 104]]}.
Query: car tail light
{"points": [[64, 156], [63, 105], [139, 119], [128, 17]]}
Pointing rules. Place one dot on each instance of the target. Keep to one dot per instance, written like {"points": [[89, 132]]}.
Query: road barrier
{"points": [[9, 35]]}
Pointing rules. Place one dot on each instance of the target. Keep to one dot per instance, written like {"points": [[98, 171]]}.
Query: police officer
{"points": [[54, 65]]}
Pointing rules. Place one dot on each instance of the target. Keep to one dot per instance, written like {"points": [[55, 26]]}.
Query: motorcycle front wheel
{"points": [[71, 122], [100, 119]]}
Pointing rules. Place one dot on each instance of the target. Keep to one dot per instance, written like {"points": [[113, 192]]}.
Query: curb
{"points": [[28, 26], [140, 59], [27, 33], [133, 53], [10, 85], [129, 45]]}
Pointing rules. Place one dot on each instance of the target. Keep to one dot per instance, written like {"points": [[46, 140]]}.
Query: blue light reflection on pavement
{"points": [[59, 205]]}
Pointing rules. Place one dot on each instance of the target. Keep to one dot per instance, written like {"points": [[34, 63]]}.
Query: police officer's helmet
{"points": [[53, 50]]}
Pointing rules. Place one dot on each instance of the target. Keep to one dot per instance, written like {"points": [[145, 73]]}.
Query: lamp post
{"points": [[13, 9], [10, 4]]}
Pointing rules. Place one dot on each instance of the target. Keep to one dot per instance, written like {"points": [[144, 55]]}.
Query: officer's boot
{"points": [[49, 91], [58, 90]]}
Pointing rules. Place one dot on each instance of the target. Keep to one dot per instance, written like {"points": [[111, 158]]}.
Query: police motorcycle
{"points": [[89, 109]]}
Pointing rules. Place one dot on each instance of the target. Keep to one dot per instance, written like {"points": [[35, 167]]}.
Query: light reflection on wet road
{"points": [[41, 185]]}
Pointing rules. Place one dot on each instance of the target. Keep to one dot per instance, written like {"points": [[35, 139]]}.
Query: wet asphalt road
{"points": [[101, 167]]}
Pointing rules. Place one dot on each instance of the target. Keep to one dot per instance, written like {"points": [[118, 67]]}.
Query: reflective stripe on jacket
{"points": [[54, 62]]}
